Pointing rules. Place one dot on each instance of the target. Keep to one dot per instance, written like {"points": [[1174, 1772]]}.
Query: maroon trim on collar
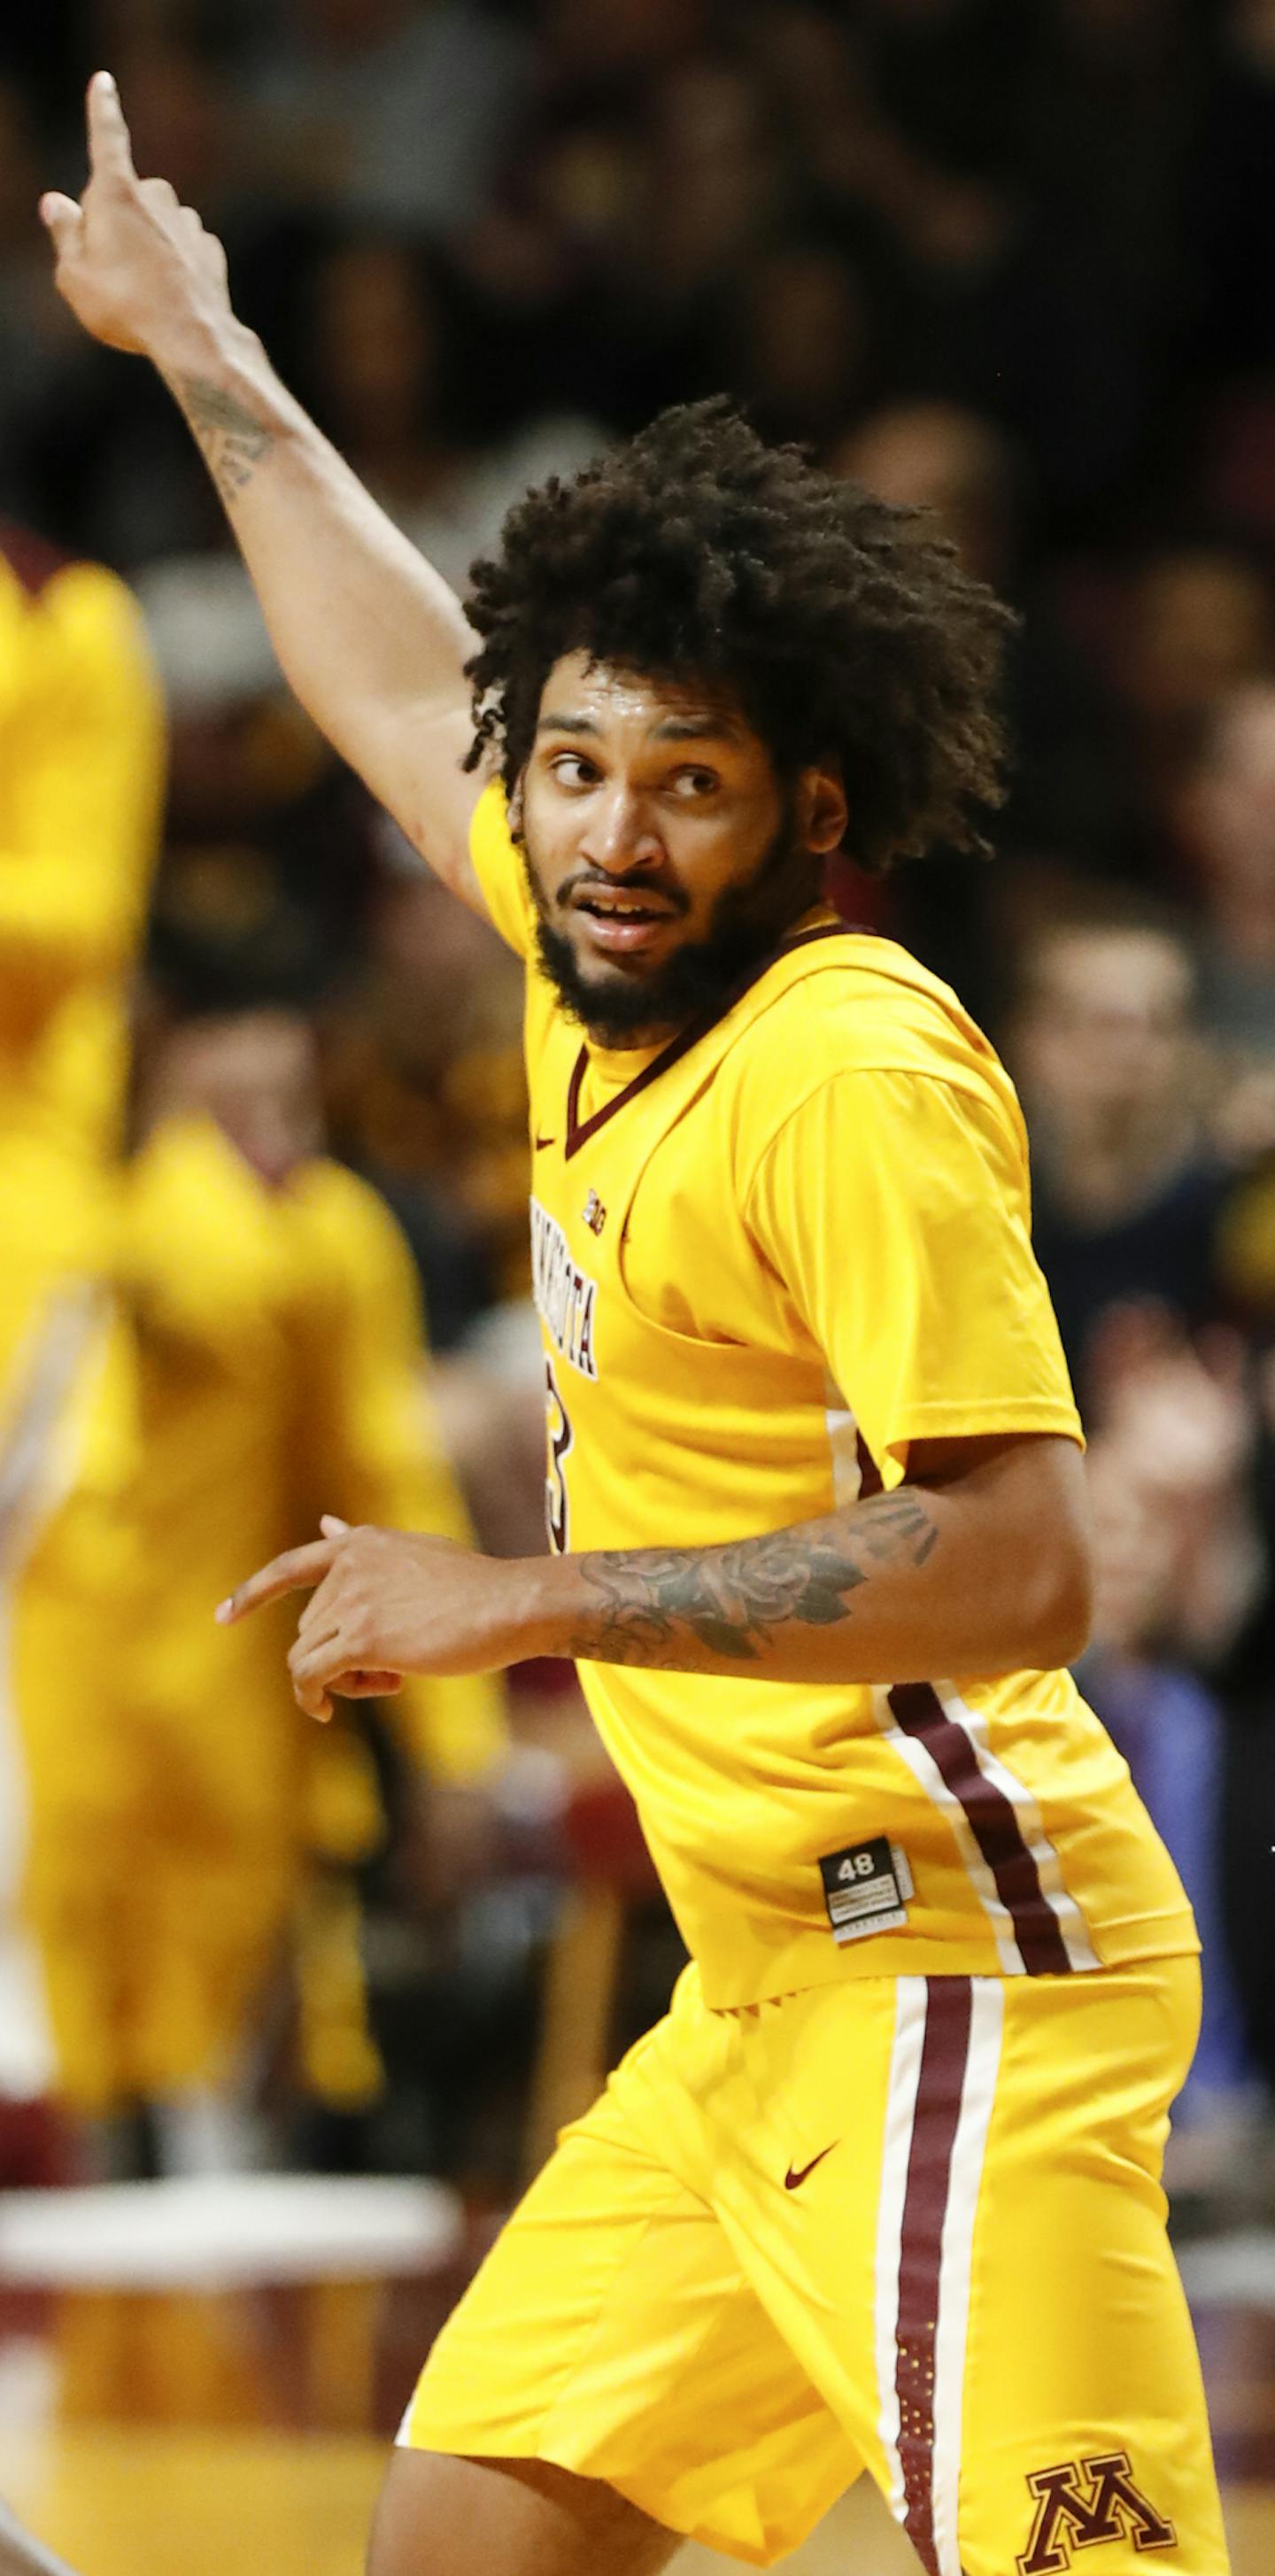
{"points": [[578, 1134]]}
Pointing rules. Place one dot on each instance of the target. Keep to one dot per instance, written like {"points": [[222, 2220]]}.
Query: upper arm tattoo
{"points": [[653, 1602], [231, 438]]}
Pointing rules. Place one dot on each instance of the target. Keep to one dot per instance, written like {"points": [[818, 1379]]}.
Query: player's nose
{"points": [[620, 833]]}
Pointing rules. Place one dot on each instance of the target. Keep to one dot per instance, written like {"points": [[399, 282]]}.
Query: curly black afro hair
{"points": [[843, 626]]}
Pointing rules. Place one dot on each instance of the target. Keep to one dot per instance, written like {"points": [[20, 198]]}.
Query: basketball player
{"points": [[882, 2192], [279, 1353], [81, 780]]}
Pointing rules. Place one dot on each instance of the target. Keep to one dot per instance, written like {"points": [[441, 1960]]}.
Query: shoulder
{"points": [[497, 865], [848, 1008], [854, 1047], [345, 1220]]}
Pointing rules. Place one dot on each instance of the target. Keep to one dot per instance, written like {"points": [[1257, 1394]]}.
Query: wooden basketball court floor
{"points": [[189, 2433]]}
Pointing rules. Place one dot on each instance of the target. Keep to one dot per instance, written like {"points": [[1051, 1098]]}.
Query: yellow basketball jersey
{"points": [[280, 1358], [766, 1258], [81, 781]]}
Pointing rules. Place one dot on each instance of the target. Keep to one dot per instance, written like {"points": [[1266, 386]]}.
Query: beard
{"points": [[699, 978]]}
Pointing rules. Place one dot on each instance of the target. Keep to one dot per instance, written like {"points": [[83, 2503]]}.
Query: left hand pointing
{"points": [[384, 1603]]}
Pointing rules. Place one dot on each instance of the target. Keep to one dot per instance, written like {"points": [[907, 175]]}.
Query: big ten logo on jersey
{"points": [[565, 1296]]}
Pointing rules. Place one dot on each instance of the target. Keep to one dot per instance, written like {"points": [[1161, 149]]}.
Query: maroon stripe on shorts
{"points": [[944, 2051], [920, 1713]]}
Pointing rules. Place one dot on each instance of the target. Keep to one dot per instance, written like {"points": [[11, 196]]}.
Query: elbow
{"points": [[1063, 1612]]}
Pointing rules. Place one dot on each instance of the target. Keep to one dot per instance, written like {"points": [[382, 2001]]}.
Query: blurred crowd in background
{"points": [[1013, 260]]}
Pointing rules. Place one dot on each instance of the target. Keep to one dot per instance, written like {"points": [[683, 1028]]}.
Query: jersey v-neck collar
{"points": [[579, 1131]]}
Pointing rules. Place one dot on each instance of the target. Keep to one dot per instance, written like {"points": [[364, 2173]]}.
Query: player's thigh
{"points": [[612, 2332], [442, 2515], [1083, 2408], [970, 2260]]}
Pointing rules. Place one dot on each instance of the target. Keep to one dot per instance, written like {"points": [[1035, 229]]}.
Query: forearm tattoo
{"points": [[653, 1602], [231, 438]]}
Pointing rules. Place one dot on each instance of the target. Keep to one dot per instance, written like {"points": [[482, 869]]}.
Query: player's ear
{"points": [[514, 815], [822, 811]]}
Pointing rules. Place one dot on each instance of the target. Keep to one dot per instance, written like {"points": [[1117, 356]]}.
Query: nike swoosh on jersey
{"points": [[792, 2180], [541, 1142]]}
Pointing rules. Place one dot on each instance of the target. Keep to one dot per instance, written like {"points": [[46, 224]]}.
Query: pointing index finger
{"points": [[298, 1570], [110, 151]]}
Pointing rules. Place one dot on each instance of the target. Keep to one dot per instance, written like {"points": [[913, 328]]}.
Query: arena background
{"points": [[1011, 259]]}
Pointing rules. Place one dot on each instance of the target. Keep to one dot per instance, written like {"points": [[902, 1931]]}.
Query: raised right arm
{"points": [[370, 638]]}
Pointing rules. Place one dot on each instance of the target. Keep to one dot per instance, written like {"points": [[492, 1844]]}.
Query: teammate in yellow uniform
{"points": [[280, 1355], [882, 2192], [80, 780], [81, 774], [81, 769]]}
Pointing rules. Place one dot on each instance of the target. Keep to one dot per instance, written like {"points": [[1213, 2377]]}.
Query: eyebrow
{"points": [[705, 728]]}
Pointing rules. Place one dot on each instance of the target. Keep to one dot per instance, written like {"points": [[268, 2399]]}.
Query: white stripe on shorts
{"points": [[978, 2095]]}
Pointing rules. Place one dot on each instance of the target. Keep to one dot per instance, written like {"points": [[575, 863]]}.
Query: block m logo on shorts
{"points": [[1084, 2501]]}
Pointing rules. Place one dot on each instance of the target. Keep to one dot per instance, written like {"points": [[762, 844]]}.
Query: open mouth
{"points": [[622, 923], [622, 907]]}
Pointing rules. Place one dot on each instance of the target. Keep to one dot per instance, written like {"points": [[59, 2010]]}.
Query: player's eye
{"points": [[695, 782], [573, 769]]}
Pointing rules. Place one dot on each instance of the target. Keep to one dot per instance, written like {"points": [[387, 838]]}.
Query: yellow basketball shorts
{"points": [[908, 2225]]}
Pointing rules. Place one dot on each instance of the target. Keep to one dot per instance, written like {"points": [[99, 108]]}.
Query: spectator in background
{"points": [[938, 456], [99, 458], [1226, 818], [714, 193], [423, 1067], [1149, 1501], [650, 178], [1067, 792], [1181, 1674], [280, 1364], [1146, 1238], [1191, 627], [801, 352], [1246, 1676], [277, 862], [33, 342], [1128, 1193], [1095, 320], [386, 111], [1179, 1410], [81, 772], [376, 360]]}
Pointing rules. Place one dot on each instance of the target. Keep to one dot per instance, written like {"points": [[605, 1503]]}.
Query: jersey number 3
{"points": [[558, 1440]]}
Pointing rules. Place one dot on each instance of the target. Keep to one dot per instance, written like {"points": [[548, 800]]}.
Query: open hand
{"points": [[132, 262], [388, 1602]]}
